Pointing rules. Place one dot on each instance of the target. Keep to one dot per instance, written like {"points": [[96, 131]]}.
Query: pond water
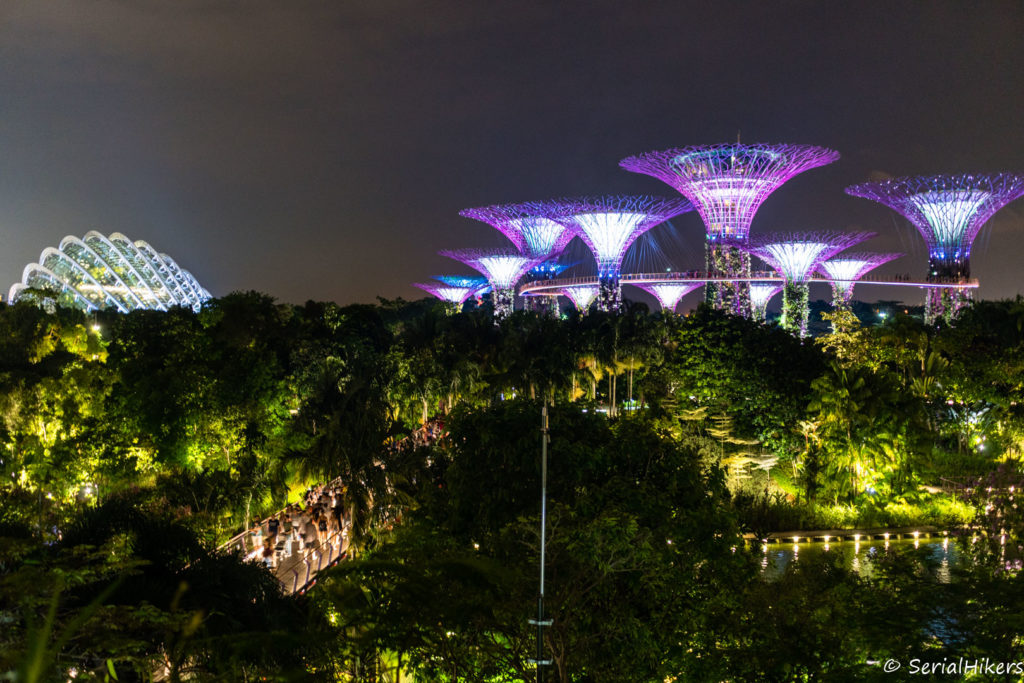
{"points": [[860, 556]]}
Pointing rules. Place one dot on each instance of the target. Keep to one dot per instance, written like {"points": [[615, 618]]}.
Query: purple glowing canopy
{"points": [[453, 295], [501, 267], [762, 292], [609, 225], [796, 255], [852, 266], [528, 225], [846, 269], [668, 294], [948, 210], [727, 183], [581, 295], [475, 282]]}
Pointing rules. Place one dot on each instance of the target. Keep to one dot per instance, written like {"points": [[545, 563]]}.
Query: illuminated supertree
{"points": [[795, 256], [545, 270], [727, 184], [477, 283], [453, 296], [581, 296], [760, 294], [668, 294], [948, 211], [608, 226], [844, 271], [528, 225], [501, 267]]}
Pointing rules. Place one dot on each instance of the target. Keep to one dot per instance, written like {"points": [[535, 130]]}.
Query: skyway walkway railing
{"points": [[546, 286], [296, 563]]}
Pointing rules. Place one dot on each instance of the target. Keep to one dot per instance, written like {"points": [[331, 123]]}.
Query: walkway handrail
{"points": [[238, 541], [700, 276], [335, 552]]}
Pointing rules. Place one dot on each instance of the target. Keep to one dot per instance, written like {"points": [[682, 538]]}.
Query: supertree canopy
{"points": [[501, 267], [453, 296], [608, 226], [528, 225], [727, 184], [948, 211], [545, 270], [582, 296], [475, 282], [548, 270], [668, 294], [760, 294], [112, 273], [844, 271], [795, 256]]}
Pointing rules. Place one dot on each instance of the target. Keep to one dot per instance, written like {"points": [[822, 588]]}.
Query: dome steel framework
{"points": [[99, 272]]}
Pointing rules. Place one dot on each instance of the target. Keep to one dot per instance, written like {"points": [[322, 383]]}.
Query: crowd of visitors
{"points": [[298, 527], [425, 435], [319, 518]]}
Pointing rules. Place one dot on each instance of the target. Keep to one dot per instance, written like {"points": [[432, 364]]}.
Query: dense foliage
{"points": [[130, 445]]}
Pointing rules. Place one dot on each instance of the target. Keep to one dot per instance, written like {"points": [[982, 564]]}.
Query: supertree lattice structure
{"points": [[948, 211], [727, 183], [528, 225], [581, 296], [760, 294], [795, 256], [477, 283], [501, 267], [668, 294], [608, 226], [453, 296], [545, 270], [844, 271]]}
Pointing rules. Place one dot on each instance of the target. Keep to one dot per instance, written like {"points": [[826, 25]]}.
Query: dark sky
{"points": [[323, 149]]}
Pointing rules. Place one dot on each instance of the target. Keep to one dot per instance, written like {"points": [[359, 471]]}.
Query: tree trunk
{"points": [[631, 382], [614, 384]]}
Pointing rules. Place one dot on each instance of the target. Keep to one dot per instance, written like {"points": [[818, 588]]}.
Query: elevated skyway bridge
{"points": [[549, 287]]}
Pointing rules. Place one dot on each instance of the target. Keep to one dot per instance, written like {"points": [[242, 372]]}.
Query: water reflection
{"points": [[860, 555]]}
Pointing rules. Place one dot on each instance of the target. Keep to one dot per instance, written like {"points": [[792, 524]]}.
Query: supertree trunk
{"points": [[841, 296], [609, 298], [795, 309], [543, 304], [551, 306], [504, 303], [728, 261], [759, 312], [945, 303]]}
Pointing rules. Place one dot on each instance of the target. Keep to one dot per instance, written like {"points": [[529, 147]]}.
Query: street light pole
{"points": [[540, 622]]}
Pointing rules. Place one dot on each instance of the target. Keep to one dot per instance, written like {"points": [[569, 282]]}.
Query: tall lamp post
{"points": [[540, 622]]}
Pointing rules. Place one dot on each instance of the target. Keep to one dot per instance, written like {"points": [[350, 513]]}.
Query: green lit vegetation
{"points": [[132, 445]]}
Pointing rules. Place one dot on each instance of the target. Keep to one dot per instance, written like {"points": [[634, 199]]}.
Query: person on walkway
{"points": [[273, 526], [269, 555], [310, 533], [321, 528], [285, 525], [256, 535]]}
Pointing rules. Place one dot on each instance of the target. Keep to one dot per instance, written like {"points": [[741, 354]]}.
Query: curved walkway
{"points": [[698, 276], [297, 563]]}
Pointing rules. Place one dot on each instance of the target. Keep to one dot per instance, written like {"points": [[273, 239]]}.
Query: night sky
{"points": [[323, 149]]}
